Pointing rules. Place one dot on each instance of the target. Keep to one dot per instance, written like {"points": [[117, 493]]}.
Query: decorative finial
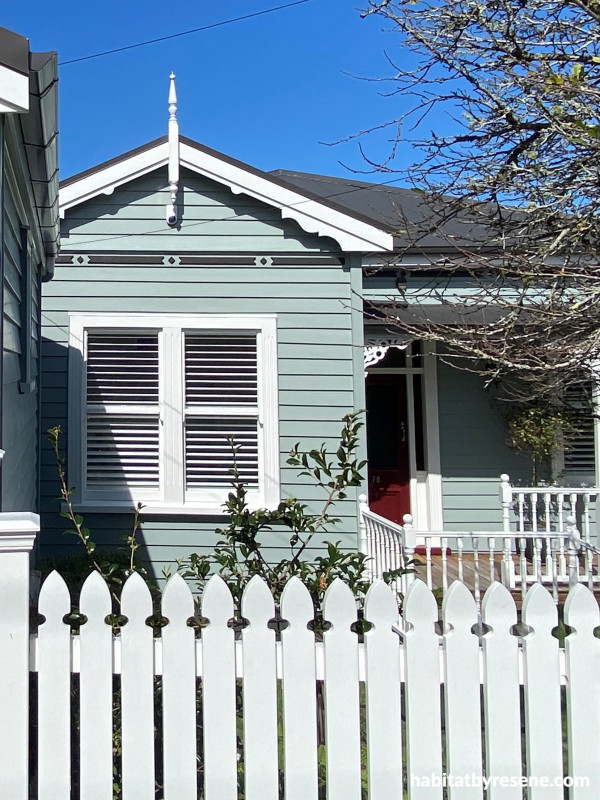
{"points": [[173, 153]]}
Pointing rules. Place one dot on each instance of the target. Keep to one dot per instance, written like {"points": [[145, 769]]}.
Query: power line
{"points": [[183, 33]]}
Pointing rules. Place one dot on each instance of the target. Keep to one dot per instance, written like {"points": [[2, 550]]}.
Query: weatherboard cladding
{"points": [[19, 410], [473, 452], [212, 220], [261, 265]]}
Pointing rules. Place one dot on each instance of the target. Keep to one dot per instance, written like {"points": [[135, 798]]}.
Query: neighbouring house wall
{"points": [[22, 257], [474, 452], [20, 402], [302, 280]]}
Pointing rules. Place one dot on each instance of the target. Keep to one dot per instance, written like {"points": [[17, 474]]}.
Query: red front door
{"points": [[387, 446]]}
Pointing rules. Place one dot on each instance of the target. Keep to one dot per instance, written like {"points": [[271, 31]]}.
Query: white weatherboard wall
{"points": [[231, 256], [369, 744]]}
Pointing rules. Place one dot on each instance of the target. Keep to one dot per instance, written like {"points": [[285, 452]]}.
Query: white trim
{"points": [[171, 382], [171, 496], [351, 234], [105, 181], [432, 439], [14, 91], [18, 531]]}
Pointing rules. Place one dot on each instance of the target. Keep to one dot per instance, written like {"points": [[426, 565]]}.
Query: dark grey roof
{"points": [[416, 220]]}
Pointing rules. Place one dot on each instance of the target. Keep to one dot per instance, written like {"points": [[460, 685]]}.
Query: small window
{"points": [[159, 403], [580, 450]]}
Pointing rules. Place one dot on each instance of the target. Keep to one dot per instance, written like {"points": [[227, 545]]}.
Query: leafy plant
{"points": [[540, 430], [114, 567], [239, 554]]}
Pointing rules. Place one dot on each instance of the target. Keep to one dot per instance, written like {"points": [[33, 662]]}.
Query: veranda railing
{"points": [[515, 558], [216, 714], [547, 509]]}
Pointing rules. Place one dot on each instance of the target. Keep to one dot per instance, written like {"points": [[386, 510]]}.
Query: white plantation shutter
{"points": [[221, 374], [155, 402], [122, 419]]}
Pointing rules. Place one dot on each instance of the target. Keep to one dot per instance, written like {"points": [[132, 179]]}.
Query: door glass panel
{"points": [[419, 424], [383, 426]]}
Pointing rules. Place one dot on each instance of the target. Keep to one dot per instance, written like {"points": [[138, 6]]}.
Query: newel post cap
{"points": [[18, 531]]}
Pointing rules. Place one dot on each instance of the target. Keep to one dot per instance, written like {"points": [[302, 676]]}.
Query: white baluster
{"points": [[508, 566], [523, 567], [409, 549], [362, 525], [444, 543], [537, 559], [492, 548], [477, 591], [560, 504], [459, 547], [428, 562], [521, 505], [547, 512], [533, 501]]}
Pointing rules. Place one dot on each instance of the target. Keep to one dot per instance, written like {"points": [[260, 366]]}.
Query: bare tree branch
{"points": [[511, 188]]}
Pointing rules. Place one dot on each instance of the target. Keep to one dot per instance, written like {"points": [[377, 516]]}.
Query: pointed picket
{"points": [[583, 690], [54, 692], [96, 691], [462, 689], [299, 695], [501, 692], [542, 695], [342, 698], [260, 694], [384, 717], [423, 710], [179, 693], [137, 691], [218, 693]]}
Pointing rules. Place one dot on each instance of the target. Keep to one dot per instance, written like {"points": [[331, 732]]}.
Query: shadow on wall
{"points": [[101, 465]]}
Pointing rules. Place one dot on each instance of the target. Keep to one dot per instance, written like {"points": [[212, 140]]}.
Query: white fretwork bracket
{"points": [[376, 349]]}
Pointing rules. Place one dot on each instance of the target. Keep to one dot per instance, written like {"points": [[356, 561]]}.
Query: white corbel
{"points": [[173, 154]]}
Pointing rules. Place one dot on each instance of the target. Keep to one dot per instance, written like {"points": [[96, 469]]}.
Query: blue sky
{"points": [[269, 90]]}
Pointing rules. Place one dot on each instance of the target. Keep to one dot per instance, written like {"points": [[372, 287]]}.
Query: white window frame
{"points": [[171, 496]]}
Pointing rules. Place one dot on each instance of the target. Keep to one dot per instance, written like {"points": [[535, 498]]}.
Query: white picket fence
{"points": [[235, 716]]}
